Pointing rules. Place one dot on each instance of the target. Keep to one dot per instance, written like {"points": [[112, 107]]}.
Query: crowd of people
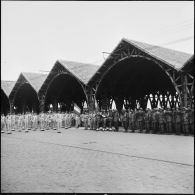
{"points": [[157, 120]]}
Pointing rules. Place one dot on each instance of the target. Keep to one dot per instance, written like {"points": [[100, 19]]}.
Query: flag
{"points": [[85, 105], [158, 106], [149, 104], [113, 105], [77, 110]]}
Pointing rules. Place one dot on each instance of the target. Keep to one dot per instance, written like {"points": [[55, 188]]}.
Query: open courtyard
{"points": [[78, 160]]}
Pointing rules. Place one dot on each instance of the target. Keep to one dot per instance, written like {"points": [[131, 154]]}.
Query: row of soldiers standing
{"points": [[177, 121], [42, 121]]}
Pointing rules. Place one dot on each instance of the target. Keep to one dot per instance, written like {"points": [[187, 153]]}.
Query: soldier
{"points": [[8, 122], [178, 121], [94, 121], [12, 122], [140, 117], [104, 120], [97, 121], [42, 121], [59, 122], [90, 121], [161, 121], [186, 121], [54, 120], [116, 120], [85, 120], [147, 118], [110, 119], [154, 121], [130, 120], [2, 123], [35, 122], [26, 122], [191, 120], [168, 120], [125, 120]]}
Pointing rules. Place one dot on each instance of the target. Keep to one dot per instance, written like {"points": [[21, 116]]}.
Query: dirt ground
{"points": [[78, 160]]}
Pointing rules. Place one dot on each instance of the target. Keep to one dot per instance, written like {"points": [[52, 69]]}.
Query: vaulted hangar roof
{"points": [[7, 86], [173, 58], [87, 72]]}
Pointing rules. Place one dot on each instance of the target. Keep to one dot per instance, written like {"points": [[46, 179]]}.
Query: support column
{"points": [[42, 104], [11, 110]]}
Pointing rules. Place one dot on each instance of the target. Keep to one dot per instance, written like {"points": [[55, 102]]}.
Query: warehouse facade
{"points": [[133, 74]]}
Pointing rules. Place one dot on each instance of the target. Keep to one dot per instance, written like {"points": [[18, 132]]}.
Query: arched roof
{"points": [[172, 58], [7, 86], [82, 71], [35, 80]]}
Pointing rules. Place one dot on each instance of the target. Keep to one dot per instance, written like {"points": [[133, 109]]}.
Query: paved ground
{"points": [[80, 160]]}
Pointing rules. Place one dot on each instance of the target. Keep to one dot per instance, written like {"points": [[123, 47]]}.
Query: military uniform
{"points": [[8, 119], [169, 121], [110, 120], [178, 121], [191, 121], [186, 122], [2, 124], [140, 117], [147, 118], [116, 120], [162, 121], [26, 122], [125, 120], [98, 120]]}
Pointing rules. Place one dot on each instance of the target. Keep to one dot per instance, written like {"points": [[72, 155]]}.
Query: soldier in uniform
{"points": [[85, 118], [125, 120], [116, 120], [110, 119], [185, 121], [140, 117], [59, 122], [178, 121], [130, 120], [168, 120], [104, 120], [8, 121], [26, 122], [161, 121], [90, 121], [12, 122], [97, 121], [191, 120], [147, 118], [154, 121], [2, 123], [94, 120]]}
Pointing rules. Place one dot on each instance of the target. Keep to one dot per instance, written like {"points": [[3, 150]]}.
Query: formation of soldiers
{"points": [[42, 121], [163, 121]]}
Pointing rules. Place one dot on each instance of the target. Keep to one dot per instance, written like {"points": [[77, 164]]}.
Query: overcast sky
{"points": [[36, 34]]}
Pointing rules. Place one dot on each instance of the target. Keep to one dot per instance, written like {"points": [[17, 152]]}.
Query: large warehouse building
{"points": [[133, 74]]}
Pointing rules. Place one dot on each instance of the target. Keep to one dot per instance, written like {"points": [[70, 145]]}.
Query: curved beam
{"points": [[142, 57]]}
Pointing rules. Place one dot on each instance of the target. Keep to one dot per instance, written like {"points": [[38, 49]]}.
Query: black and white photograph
{"points": [[97, 97]]}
